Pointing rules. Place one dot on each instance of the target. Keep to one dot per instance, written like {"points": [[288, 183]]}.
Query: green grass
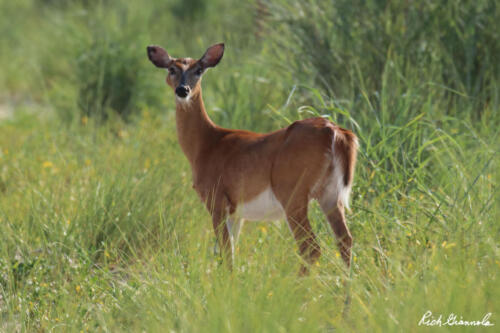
{"points": [[100, 229]]}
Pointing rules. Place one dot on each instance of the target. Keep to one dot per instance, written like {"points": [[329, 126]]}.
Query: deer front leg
{"points": [[233, 225], [309, 248], [219, 214]]}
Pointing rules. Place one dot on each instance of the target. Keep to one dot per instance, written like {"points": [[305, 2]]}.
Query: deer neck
{"points": [[195, 129]]}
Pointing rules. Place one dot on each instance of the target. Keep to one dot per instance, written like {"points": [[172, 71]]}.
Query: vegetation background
{"points": [[101, 231]]}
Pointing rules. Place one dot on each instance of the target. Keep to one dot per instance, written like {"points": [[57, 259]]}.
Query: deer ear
{"points": [[212, 55], [158, 56]]}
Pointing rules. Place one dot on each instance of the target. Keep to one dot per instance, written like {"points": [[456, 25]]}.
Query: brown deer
{"points": [[240, 174]]}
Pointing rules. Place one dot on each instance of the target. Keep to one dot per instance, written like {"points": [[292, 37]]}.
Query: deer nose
{"points": [[182, 91]]}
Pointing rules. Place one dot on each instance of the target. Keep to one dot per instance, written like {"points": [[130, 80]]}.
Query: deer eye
{"points": [[199, 71], [171, 71]]}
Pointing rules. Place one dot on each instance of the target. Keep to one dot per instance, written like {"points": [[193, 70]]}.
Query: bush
{"points": [[108, 73], [108, 64]]}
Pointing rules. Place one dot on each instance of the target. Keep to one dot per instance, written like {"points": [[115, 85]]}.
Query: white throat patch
{"points": [[184, 101]]}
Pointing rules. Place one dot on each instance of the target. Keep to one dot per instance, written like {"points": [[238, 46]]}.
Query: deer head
{"points": [[184, 74]]}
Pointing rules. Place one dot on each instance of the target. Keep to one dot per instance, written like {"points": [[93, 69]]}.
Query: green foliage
{"points": [[107, 72], [189, 9], [331, 44], [100, 229]]}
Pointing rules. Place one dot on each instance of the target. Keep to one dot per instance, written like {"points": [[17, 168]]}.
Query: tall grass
{"points": [[101, 230], [454, 44]]}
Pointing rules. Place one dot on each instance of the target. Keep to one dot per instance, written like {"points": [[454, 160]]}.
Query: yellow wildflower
{"points": [[263, 230]]}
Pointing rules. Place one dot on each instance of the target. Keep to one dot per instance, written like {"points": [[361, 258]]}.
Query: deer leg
{"points": [[234, 226], [336, 218], [300, 226], [223, 237], [219, 212]]}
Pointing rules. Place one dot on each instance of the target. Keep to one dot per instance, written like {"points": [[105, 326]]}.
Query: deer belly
{"points": [[264, 207]]}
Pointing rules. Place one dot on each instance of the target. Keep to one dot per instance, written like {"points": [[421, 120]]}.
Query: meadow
{"points": [[101, 231]]}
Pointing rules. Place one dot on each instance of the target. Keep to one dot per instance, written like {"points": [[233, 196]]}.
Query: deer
{"points": [[245, 176]]}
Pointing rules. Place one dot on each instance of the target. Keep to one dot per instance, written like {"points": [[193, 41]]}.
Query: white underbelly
{"points": [[264, 207]]}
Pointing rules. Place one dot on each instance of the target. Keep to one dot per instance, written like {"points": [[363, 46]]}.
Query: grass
{"points": [[101, 230]]}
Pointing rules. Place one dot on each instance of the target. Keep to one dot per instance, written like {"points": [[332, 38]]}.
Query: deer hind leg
{"points": [[334, 212], [309, 249], [293, 195], [298, 166]]}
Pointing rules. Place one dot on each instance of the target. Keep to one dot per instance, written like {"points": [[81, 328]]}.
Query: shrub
{"points": [[111, 64], [108, 74]]}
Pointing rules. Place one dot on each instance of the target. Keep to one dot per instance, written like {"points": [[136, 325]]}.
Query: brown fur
{"points": [[230, 167]]}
